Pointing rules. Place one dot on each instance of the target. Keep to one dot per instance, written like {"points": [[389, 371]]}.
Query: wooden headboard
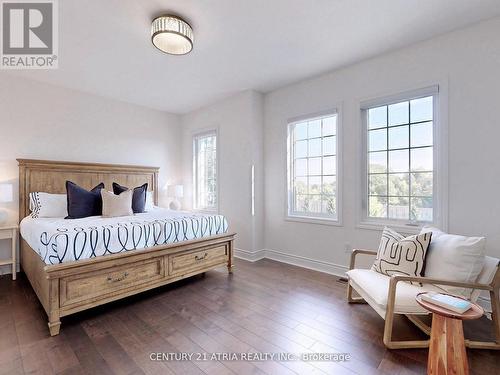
{"points": [[50, 177]]}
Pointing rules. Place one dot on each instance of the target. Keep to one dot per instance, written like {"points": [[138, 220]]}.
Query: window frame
{"points": [[314, 219], [195, 137], [440, 161]]}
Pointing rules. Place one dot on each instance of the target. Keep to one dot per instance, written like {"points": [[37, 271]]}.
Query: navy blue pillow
{"points": [[138, 196], [83, 203]]}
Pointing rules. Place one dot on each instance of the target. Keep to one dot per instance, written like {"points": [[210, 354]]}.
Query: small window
{"points": [[400, 168], [205, 171], [312, 168]]}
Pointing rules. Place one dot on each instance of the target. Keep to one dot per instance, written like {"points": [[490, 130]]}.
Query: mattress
{"points": [[59, 240]]}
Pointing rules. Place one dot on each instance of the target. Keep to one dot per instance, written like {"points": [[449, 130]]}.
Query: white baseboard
{"points": [[304, 262], [7, 269], [251, 256], [296, 260]]}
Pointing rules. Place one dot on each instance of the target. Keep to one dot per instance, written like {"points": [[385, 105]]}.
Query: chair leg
{"points": [[389, 321], [388, 326], [495, 310], [406, 344], [482, 345], [350, 298]]}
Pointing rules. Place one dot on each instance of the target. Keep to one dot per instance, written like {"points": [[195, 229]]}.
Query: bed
{"points": [[74, 265]]}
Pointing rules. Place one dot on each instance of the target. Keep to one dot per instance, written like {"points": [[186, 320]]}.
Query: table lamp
{"points": [[175, 192], [6, 196]]}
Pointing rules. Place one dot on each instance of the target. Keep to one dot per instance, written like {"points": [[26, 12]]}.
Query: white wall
{"points": [[238, 121], [40, 121], [466, 63]]}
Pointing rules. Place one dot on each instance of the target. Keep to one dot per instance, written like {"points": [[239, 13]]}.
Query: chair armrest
{"points": [[355, 252], [427, 280], [391, 294]]}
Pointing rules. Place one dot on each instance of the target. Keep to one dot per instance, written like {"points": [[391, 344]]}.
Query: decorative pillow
{"points": [[453, 257], [399, 255], [83, 203], [48, 205], [116, 205], [138, 198]]}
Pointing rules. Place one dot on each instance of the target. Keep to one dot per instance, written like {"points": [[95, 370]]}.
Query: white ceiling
{"points": [[105, 46]]}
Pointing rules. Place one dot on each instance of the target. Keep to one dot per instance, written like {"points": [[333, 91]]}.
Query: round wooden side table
{"points": [[447, 353]]}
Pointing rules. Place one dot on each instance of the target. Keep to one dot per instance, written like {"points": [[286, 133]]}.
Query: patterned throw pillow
{"points": [[399, 255], [48, 205]]}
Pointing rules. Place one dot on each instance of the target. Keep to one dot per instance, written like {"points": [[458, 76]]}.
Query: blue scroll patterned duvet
{"points": [[59, 240]]}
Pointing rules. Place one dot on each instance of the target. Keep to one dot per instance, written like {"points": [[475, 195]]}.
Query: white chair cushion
{"points": [[455, 258], [374, 287]]}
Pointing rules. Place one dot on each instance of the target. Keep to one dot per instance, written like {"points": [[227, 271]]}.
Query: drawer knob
{"points": [[197, 257], [121, 278]]}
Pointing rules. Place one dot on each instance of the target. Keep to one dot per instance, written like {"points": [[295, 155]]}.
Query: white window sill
{"points": [[399, 227], [313, 220]]}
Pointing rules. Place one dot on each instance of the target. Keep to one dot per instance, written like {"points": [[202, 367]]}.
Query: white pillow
{"points": [[149, 202], [48, 205], [454, 257], [116, 205]]}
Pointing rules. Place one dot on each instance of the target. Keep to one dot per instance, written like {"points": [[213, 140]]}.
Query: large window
{"points": [[400, 166], [205, 171], [312, 168]]}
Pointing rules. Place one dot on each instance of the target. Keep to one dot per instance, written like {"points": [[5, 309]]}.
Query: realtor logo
{"points": [[29, 34]]}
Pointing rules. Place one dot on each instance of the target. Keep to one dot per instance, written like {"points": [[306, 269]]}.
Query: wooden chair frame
{"points": [[493, 288]]}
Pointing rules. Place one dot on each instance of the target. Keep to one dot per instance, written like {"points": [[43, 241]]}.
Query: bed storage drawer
{"points": [[102, 283], [185, 263]]}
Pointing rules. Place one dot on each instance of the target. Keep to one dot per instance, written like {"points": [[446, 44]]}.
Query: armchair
{"points": [[391, 295]]}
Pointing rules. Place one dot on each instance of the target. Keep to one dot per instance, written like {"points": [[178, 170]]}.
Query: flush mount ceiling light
{"points": [[171, 34]]}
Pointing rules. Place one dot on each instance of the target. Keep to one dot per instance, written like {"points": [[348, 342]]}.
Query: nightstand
{"points": [[6, 232]]}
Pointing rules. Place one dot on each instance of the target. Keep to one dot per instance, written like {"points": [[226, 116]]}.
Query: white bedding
{"points": [[59, 240]]}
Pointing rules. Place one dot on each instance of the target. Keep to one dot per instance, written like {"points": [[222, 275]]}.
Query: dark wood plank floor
{"points": [[264, 307]]}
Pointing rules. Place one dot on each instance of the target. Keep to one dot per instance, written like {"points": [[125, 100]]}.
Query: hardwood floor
{"points": [[263, 307]]}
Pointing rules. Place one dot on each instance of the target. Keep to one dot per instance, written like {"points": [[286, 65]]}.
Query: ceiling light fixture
{"points": [[171, 34]]}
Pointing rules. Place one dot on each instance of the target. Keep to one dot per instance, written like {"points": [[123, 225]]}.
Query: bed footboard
{"points": [[67, 288]]}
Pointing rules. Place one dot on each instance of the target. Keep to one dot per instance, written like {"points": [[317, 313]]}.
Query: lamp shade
{"points": [[6, 193], [176, 191], [171, 34]]}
